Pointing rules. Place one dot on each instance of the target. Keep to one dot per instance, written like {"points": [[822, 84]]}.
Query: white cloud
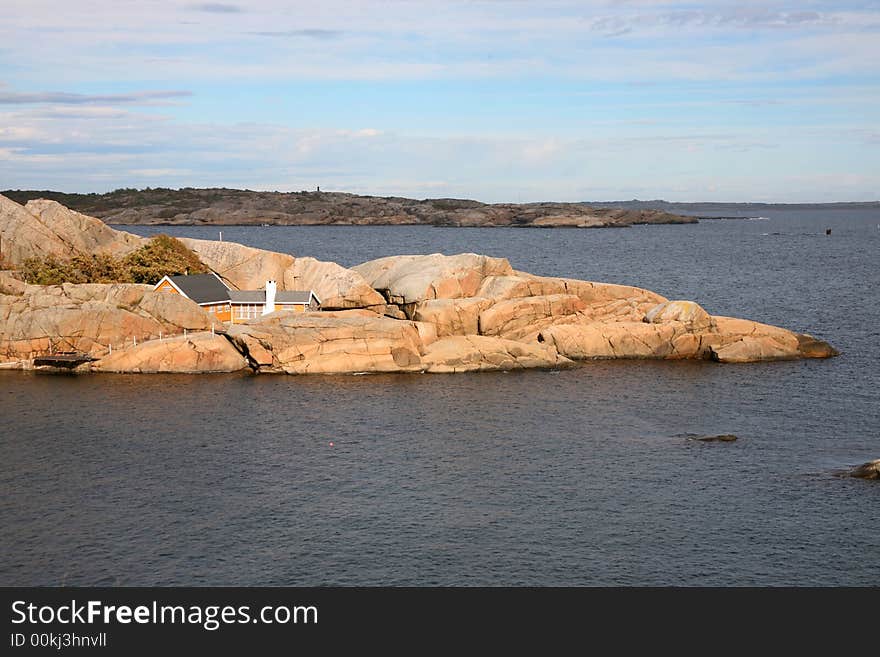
{"points": [[698, 71], [65, 98], [154, 173], [380, 40]]}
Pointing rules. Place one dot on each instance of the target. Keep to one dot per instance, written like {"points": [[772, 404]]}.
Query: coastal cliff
{"points": [[190, 206], [410, 313]]}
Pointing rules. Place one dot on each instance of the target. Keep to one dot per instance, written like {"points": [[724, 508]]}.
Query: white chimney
{"points": [[271, 288]]}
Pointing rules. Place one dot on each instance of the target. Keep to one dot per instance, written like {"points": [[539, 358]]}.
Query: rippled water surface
{"points": [[574, 477]]}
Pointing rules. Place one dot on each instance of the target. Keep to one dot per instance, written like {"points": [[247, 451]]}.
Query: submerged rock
{"points": [[869, 470], [810, 347], [715, 438]]}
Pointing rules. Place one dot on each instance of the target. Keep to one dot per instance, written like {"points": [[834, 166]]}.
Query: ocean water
{"points": [[577, 477]]}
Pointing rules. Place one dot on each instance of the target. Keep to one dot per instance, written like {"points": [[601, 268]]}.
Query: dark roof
{"points": [[259, 296], [202, 288], [247, 296], [293, 296]]}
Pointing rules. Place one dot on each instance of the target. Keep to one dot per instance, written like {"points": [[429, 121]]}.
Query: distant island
{"points": [[719, 210], [219, 206]]}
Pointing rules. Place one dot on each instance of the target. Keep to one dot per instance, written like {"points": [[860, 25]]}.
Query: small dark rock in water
{"points": [[869, 470], [719, 438]]}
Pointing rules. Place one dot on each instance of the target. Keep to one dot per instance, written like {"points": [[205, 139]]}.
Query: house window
{"points": [[248, 311]]}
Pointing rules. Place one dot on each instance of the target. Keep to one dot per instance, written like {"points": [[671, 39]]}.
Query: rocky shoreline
{"points": [[412, 313]]}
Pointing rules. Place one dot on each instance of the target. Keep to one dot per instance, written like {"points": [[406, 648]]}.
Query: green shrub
{"points": [[49, 271], [162, 255]]}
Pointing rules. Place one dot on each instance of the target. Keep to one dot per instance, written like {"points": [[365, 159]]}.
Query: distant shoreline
{"points": [[190, 206], [233, 207]]}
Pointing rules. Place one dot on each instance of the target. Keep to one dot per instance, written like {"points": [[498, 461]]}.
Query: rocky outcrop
{"points": [[312, 343], [82, 233], [603, 301], [680, 330], [11, 284], [90, 318], [434, 313], [687, 312], [23, 236], [338, 288], [452, 316], [518, 285], [243, 267], [744, 341], [475, 353], [45, 228], [408, 280], [587, 340], [339, 343], [520, 317], [195, 353]]}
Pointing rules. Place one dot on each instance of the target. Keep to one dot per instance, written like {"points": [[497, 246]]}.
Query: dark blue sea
{"points": [[579, 477]]}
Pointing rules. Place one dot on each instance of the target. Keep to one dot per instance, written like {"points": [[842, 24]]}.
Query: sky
{"points": [[500, 101]]}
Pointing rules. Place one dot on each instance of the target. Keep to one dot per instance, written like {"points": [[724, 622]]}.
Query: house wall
{"points": [[167, 287], [222, 311]]}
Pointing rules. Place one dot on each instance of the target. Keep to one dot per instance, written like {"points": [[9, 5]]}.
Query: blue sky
{"points": [[498, 101]]}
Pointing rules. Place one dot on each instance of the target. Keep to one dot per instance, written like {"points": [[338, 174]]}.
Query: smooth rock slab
{"points": [[473, 353], [412, 279], [514, 318], [316, 343], [338, 288], [453, 316], [46, 228], [196, 353], [243, 267], [601, 340]]}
